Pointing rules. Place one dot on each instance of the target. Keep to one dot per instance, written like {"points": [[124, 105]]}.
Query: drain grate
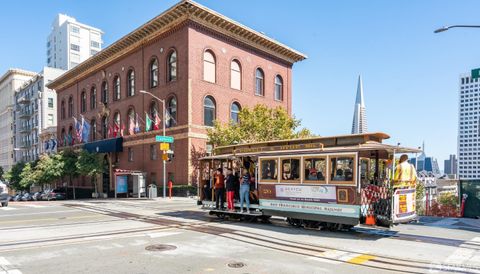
{"points": [[236, 265], [160, 247]]}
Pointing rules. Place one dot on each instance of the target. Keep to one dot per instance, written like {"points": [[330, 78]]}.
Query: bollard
{"points": [[170, 186]]}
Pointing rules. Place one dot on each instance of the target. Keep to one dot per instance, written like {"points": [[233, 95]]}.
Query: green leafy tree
{"points": [[69, 169], [13, 176], [1, 173], [28, 176], [256, 125], [49, 169], [91, 165]]}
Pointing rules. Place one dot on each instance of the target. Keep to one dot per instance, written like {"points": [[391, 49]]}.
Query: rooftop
{"points": [[179, 13]]}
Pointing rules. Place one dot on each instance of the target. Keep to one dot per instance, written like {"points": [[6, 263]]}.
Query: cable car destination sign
{"points": [[278, 148]]}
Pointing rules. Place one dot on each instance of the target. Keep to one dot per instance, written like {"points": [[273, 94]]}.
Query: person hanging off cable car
{"points": [[219, 189], [405, 174]]}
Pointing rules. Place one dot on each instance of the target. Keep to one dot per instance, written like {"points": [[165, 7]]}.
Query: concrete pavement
{"points": [[174, 236]]}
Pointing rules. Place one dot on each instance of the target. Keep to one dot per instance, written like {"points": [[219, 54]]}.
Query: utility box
{"points": [[139, 188], [152, 191]]}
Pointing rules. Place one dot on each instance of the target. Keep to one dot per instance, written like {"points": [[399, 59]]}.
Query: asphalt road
{"points": [[145, 236]]}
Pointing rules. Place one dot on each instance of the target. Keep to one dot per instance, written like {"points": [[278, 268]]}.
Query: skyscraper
{"points": [[359, 124], [469, 126], [71, 42], [450, 167]]}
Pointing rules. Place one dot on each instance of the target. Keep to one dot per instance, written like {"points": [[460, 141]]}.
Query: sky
{"points": [[410, 74]]}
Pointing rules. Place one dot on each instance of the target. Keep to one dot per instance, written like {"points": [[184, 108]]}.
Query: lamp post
{"points": [[445, 28], [163, 117]]}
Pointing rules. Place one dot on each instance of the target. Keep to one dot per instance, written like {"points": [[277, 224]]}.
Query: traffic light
{"points": [[170, 155]]}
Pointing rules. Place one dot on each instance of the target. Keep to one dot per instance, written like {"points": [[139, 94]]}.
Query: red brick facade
{"points": [[189, 40]]}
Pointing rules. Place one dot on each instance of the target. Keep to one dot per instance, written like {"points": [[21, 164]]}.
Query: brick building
{"points": [[204, 65]]}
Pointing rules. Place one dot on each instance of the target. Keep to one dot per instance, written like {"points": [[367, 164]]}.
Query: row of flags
{"points": [[83, 127]]}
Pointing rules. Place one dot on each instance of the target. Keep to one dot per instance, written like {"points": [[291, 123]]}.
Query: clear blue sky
{"points": [[410, 74]]}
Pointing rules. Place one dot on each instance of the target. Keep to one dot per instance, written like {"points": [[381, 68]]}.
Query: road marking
{"points": [[5, 266], [45, 212], [49, 219], [361, 259], [8, 208], [35, 206], [162, 234]]}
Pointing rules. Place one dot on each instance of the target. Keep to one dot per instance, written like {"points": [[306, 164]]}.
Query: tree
{"points": [[1, 173], [13, 176], [69, 169], [28, 176], [90, 164], [256, 125], [49, 168]]}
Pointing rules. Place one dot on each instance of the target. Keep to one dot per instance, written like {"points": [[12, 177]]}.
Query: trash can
{"points": [[152, 191]]}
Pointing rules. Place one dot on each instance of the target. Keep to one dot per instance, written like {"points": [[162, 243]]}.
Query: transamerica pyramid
{"points": [[359, 124]]}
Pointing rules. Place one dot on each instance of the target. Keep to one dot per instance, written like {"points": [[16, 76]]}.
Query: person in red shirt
{"points": [[219, 189], [230, 181]]}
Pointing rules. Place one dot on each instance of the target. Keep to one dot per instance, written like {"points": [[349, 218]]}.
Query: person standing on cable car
{"points": [[245, 191], [230, 184], [405, 174], [219, 189]]}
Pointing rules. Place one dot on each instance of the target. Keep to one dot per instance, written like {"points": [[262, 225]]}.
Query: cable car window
{"points": [[291, 170], [268, 169], [315, 169], [342, 169]]}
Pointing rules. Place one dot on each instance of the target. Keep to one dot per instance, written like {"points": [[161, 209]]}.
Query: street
{"points": [[175, 236]]}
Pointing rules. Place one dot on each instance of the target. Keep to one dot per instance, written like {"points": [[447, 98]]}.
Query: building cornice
{"points": [[186, 10], [16, 71]]}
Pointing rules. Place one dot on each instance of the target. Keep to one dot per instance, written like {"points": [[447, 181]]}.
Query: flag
{"points": [[122, 130], [156, 126], [148, 122], [131, 127], [54, 144], [46, 145], [116, 130], [137, 126], [109, 132], [78, 129], [85, 130], [65, 140], [69, 139]]}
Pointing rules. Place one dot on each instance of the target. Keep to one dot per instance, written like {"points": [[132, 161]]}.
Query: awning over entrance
{"points": [[104, 146]]}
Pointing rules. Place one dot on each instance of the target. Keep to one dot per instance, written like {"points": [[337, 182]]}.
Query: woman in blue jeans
{"points": [[245, 191]]}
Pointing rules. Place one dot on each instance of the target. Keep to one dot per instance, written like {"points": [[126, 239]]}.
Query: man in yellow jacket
{"points": [[405, 174]]}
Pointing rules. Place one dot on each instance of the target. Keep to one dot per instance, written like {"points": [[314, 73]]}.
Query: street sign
{"points": [[165, 157], [164, 146], [163, 139]]}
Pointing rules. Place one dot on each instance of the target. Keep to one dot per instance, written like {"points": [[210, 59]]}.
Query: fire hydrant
{"points": [[170, 186]]}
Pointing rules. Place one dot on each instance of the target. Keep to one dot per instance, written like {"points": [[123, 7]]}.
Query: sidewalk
{"points": [[451, 223]]}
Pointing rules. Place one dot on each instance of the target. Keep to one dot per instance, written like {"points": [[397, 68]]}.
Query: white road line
{"points": [[45, 212], [35, 206], [161, 234], [8, 208]]}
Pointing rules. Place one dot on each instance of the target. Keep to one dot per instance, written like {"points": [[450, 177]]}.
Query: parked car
{"points": [[26, 197], [3, 195], [37, 196], [55, 194], [16, 197]]}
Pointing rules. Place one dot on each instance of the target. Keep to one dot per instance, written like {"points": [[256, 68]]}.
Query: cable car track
{"points": [[370, 260]]}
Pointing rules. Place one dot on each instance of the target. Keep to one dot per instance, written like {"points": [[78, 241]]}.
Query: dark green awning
{"points": [[104, 146]]}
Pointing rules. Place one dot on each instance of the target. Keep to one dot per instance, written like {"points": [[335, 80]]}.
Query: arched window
{"points": [[154, 73], [83, 102], [209, 114], [116, 120], [278, 88], [93, 98], [259, 82], [209, 66], [234, 112], [172, 66], [172, 112], [235, 75], [105, 127], [70, 106], [153, 112], [131, 82], [116, 88], [131, 121], [93, 129], [105, 92], [62, 110]]}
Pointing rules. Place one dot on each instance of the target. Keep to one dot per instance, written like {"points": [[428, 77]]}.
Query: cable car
{"points": [[334, 182]]}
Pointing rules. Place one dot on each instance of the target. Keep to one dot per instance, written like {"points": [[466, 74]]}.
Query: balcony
{"points": [[26, 129], [23, 100], [24, 114], [25, 145]]}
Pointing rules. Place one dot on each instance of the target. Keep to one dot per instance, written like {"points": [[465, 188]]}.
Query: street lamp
{"points": [[163, 117], [445, 28]]}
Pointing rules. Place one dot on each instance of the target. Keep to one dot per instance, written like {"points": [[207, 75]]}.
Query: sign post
{"points": [[165, 142]]}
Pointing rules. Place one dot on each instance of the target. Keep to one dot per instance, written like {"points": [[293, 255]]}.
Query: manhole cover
{"points": [[160, 247], [236, 265]]}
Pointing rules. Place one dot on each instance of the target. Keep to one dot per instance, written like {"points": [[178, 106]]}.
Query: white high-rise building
{"points": [[71, 42], [35, 117], [9, 82], [359, 124], [469, 126]]}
